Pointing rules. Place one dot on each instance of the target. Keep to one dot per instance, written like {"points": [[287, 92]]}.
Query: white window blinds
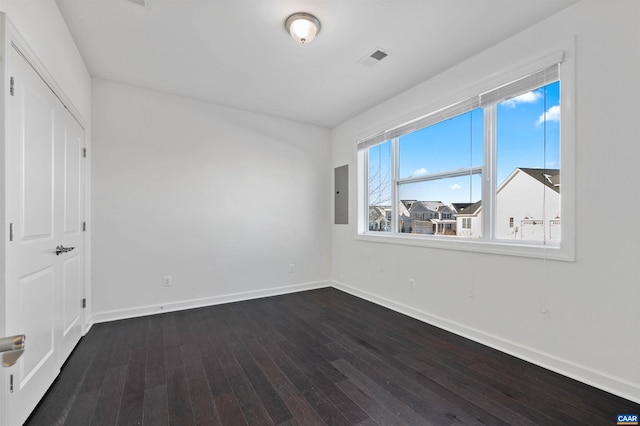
{"points": [[521, 86], [510, 90]]}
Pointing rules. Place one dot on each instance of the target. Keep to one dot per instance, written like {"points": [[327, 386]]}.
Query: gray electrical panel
{"points": [[341, 193]]}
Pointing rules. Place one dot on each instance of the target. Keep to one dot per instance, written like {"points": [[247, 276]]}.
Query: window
{"points": [[528, 163], [379, 185], [486, 169]]}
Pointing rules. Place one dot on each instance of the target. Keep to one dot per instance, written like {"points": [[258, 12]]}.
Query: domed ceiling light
{"points": [[303, 27]]}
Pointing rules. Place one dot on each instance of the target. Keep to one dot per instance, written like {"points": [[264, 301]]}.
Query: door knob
{"points": [[60, 249], [11, 349]]}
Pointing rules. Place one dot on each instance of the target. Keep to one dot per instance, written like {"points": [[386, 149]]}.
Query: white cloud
{"points": [[525, 98], [420, 171], [455, 187], [552, 114]]}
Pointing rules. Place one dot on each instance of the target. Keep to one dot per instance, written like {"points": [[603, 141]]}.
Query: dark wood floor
{"points": [[318, 357]]}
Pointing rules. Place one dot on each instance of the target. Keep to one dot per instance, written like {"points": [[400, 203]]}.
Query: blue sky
{"points": [[528, 136]]}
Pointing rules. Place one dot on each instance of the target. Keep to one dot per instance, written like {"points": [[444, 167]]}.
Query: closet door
{"points": [[45, 255], [69, 219]]}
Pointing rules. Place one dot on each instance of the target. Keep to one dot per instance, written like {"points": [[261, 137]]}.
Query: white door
{"points": [[45, 207], [70, 217]]}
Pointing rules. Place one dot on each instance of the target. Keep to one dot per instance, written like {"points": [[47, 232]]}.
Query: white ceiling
{"points": [[237, 52]]}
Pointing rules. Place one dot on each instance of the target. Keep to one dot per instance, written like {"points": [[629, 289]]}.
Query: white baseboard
{"points": [[140, 311], [565, 367]]}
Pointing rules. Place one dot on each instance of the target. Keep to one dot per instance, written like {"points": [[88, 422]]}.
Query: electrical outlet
{"points": [[292, 268], [167, 281], [412, 284]]}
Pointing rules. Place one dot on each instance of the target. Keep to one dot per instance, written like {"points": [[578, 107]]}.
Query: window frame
{"points": [[564, 250]]}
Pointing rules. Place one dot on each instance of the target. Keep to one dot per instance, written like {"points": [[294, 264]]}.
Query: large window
{"points": [[486, 169]]}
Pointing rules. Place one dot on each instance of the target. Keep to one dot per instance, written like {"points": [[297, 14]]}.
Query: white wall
{"points": [[580, 318], [220, 199]]}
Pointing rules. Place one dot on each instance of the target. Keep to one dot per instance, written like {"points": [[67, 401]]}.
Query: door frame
{"points": [[10, 38]]}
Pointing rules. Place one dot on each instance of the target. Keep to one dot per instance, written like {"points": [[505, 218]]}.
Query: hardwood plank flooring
{"points": [[320, 357]]}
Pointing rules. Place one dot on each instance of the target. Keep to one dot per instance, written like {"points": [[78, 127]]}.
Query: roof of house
{"points": [[426, 205], [471, 208], [408, 203], [548, 177], [376, 213], [460, 206]]}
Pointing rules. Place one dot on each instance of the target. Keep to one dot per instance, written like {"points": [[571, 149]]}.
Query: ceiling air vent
{"points": [[142, 3], [373, 58]]}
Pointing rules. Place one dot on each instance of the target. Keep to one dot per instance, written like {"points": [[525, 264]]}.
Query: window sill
{"points": [[532, 250]]}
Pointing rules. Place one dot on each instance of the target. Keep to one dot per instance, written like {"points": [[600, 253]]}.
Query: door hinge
{"points": [[84, 152], [11, 232], [84, 226], [11, 383], [11, 89], [84, 303]]}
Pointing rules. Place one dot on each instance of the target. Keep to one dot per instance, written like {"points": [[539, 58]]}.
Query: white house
{"points": [[379, 218], [427, 217], [469, 220], [528, 205], [445, 223], [527, 208]]}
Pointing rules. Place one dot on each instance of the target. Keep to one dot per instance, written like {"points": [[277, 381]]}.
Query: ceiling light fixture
{"points": [[303, 27]]}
